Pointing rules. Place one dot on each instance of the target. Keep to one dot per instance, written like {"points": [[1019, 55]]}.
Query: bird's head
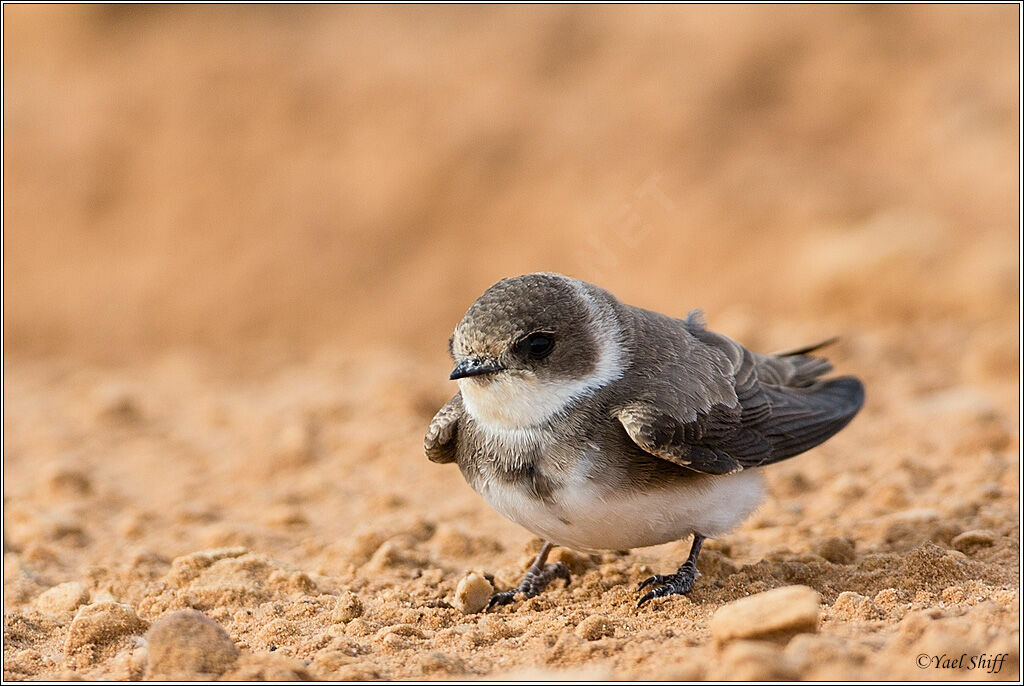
{"points": [[531, 344]]}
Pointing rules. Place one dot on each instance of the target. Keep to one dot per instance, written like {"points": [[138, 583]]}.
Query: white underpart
{"points": [[584, 517], [513, 402]]}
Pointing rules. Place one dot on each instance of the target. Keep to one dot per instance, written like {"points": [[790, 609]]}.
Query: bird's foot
{"points": [[679, 583], [534, 582]]}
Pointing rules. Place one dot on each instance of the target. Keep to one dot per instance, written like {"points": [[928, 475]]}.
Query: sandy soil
{"points": [[236, 241]]}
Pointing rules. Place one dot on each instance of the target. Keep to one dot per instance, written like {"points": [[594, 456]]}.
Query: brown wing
{"points": [[439, 442], [780, 409]]}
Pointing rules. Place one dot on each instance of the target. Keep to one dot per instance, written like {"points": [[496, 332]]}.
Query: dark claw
{"points": [[503, 598], [533, 584], [658, 579], [656, 593], [679, 583]]}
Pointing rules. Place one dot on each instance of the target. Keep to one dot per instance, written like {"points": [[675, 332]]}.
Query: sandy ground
{"points": [[236, 242]]}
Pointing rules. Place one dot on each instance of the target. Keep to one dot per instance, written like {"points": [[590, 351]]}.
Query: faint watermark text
{"points": [[989, 663]]}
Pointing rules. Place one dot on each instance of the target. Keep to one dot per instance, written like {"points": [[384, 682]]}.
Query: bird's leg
{"points": [[679, 583], [537, 578]]}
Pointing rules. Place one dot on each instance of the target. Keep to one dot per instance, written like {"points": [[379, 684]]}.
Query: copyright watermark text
{"points": [[988, 663]]}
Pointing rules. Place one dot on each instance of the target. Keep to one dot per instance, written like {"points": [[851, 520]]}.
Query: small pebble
{"points": [[850, 605], [440, 663], [102, 623], [187, 643], [473, 593], [595, 627], [66, 597], [976, 538], [347, 607], [776, 614]]}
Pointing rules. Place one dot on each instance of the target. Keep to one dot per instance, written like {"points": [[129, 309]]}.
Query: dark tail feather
{"points": [[805, 417], [807, 348]]}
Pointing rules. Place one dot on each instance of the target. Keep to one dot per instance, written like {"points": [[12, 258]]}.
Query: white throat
{"points": [[511, 401]]}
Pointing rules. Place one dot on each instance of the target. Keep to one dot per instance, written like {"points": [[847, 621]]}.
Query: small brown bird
{"points": [[601, 426]]}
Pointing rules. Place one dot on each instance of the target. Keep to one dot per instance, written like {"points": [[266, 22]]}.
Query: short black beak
{"points": [[474, 366]]}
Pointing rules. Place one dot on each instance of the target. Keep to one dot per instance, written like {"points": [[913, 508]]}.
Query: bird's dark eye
{"points": [[537, 346]]}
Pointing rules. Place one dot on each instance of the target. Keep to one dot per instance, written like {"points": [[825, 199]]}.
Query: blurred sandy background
{"points": [[236, 240]]}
